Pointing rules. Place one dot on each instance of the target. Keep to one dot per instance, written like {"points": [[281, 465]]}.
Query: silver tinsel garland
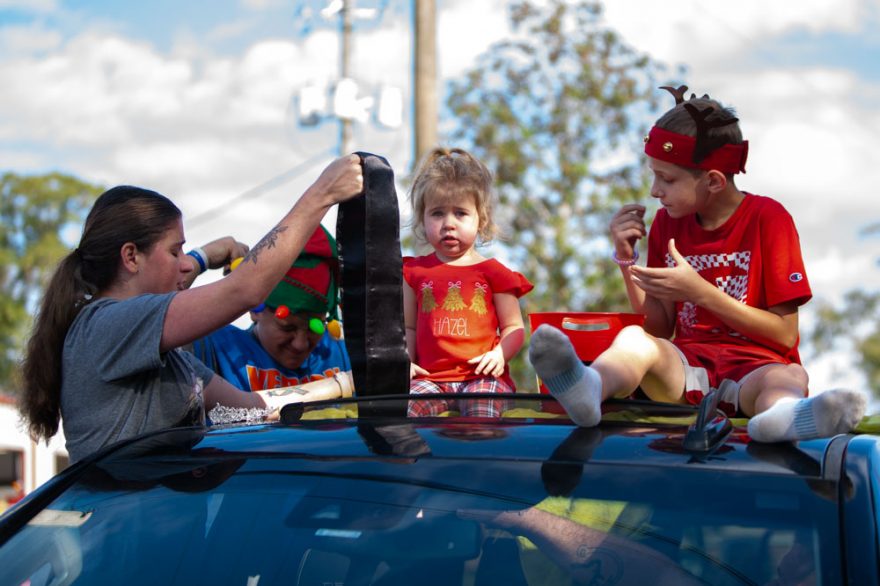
{"points": [[222, 414]]}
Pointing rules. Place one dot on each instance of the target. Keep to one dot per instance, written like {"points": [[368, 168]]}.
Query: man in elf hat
{"points": [[295, 338]]}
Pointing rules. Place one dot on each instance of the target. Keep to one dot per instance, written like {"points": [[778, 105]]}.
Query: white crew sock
{"points": [[577, 387], [827, 414]]}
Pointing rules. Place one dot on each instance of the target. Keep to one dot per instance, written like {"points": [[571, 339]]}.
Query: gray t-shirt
{"points": [[115, 382]]}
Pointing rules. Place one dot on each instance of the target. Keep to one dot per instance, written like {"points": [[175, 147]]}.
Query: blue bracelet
{"points": [[199, 255]]}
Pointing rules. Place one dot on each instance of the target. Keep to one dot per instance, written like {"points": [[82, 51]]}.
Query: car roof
{"points": [[524, 441], [637, 453], [632, 433]]}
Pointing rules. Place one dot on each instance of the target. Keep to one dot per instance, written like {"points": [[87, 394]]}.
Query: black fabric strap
{"points": [[368, 239]]}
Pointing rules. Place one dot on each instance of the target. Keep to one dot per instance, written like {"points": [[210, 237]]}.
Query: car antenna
{"points": [[711, 427]]}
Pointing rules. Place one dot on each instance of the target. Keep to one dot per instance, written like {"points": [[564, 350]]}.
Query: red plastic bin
{"points": [[590, 332]]}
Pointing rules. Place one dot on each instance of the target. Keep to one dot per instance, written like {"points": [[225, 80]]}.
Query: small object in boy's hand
{"points": [[282, 312], [232, 266]]}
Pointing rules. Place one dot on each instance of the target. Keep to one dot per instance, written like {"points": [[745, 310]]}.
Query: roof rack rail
{"points": [[711, 427]]}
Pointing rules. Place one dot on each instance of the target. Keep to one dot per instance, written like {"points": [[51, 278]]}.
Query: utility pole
{"points": [[425, 44], [345, 102], [345, 123]]}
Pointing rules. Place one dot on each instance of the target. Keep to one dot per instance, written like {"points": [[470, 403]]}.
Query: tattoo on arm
{"points": [[267, 241]]}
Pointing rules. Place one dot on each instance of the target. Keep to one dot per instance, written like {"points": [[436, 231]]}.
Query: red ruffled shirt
{"points": [[456, 313]]}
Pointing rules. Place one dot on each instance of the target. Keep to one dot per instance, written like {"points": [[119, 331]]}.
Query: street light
{"points": [[342, 99], [319, 101]]}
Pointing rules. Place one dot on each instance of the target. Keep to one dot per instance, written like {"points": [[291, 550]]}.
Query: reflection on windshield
{"points": [[475, 404], [405, 512]]}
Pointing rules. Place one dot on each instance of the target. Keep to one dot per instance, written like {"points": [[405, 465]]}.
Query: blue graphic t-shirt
{"points": [[237, 356]]}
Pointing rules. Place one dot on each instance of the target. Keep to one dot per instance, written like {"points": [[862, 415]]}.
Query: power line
{"points": [[259, 190]]}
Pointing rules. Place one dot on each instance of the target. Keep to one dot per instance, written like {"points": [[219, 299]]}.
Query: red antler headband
{"points": [[692, 151], [679, 149]]}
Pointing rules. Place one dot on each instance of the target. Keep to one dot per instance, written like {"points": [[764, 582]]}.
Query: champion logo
{"points": [[796, 277]]}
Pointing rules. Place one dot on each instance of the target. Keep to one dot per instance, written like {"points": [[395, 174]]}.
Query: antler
{"points": [[677, 93], [701, 148]]}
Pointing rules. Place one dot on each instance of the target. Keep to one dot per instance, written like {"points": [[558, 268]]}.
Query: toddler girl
{"points": [[463, 321]]}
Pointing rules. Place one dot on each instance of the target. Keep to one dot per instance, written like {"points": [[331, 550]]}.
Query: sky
{"points": [[199, 100]]}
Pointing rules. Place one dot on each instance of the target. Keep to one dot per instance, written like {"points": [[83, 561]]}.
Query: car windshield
{"points": [[196, 512]]}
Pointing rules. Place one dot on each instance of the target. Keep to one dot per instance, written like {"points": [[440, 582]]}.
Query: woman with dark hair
{"points": [[104, 356]]}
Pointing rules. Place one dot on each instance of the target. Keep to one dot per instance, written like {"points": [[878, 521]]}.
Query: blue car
{"points": [[353, 492]]}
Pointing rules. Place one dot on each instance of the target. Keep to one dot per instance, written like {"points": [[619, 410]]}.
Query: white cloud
{"points": [[230, 30], [200, 128], [28, 40], [384, 55], [261, 4], [834, 370], [465, 29], [39, 6], [16, 161], [93, 93], [832, 272], [698, 32]]}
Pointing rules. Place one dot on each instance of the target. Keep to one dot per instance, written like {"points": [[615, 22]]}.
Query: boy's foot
{"points": [[825, 415], [577, 387]]}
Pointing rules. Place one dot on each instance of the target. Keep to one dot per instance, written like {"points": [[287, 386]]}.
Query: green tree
{"points": [[35, 211], [558, 113], [857, 320]]}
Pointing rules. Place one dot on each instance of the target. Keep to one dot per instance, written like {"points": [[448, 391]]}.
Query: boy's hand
{"points": [[415, 370], [491, 363], [223, 251], [679, 283], [627, 227]]}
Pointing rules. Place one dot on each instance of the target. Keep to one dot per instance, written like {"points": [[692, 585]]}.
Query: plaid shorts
{"points": [[467, 407]]}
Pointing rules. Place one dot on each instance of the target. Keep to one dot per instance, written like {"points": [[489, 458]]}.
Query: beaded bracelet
{"points": [[625, 262], [200, 256]]}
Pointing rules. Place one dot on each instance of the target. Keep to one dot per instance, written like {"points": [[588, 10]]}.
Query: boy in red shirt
{"points": [[720, 294]]}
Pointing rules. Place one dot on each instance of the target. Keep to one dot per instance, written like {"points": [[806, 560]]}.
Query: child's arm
{"points": [[409, 321], [219, 252], [219, 391], [510, 324], [627, 227], [776, 326], [339, 385]]}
